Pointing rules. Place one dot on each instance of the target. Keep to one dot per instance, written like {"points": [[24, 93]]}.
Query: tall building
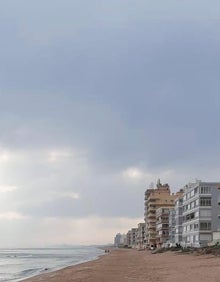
{"points": [[140, 235], [148, 215], [172, 226], [201, 212], [117, 239], [154, 199], [120, 240], [134, 237], [129, 238], [162, 225], [178, 219]]}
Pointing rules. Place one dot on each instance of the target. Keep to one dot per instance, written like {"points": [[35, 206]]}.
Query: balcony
{"points": [[164, 223], [151, 220], [151, 223], [151, 236], [151, 215], [152, 227], [151, 209]]}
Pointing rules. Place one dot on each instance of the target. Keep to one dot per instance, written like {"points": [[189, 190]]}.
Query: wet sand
{"points": [[131, 265]]}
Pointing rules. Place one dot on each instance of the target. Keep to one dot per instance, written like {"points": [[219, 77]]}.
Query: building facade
{"points": [[120, 240], [134, 232], [201, 212], [129, 238], [179, 220], [117, 240], [140, 235], [154, 199], [162, 226], [172, 226]]}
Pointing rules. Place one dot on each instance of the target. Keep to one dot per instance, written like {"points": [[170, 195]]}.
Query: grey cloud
{"points": [[130, 84], [91, 204]]}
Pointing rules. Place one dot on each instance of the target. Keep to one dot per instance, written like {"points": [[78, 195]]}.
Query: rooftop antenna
{"points": [[158, 182]]}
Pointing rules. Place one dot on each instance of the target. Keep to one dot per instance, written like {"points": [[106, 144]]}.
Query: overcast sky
{"points": [[98, 99]]}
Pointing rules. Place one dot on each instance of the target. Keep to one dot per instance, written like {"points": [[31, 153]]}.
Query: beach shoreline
{"points": [[122, 265], [54, 270]]}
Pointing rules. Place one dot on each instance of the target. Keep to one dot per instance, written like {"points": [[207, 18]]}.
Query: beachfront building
{"points": [[155, 199], [149, 214], [123, 240], [201, 212], [134, 232], [117, 239], [178, 219], [140, 235], [172, 227], [162, 226], [120, 240], [129, 238]]}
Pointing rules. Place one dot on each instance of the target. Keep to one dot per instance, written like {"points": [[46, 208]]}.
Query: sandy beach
{"points": [[123, 265]]}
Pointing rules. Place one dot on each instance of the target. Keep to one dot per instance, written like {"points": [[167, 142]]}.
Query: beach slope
{"points": [[123, 265]]}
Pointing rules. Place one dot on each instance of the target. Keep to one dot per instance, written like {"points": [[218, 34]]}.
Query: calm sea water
{"points": [[18, 264]]}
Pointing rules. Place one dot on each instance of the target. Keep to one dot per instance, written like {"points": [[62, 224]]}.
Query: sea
{"points": [[19, 264]]}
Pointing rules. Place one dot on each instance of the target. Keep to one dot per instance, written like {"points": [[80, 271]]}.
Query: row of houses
{"points": [[190, 217]]}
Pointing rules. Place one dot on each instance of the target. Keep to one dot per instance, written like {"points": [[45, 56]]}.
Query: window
{"points": [[192, 205], [205, 201], [190, 216], [206, 213], [205, 190], [196, 226], [205, 237], [205, 225]]}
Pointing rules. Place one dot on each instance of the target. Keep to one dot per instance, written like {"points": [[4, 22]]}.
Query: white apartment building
{"points": [[162, 225], [201, 213], [172, 226], [120, 240], [117, 239], [178, 220]]}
